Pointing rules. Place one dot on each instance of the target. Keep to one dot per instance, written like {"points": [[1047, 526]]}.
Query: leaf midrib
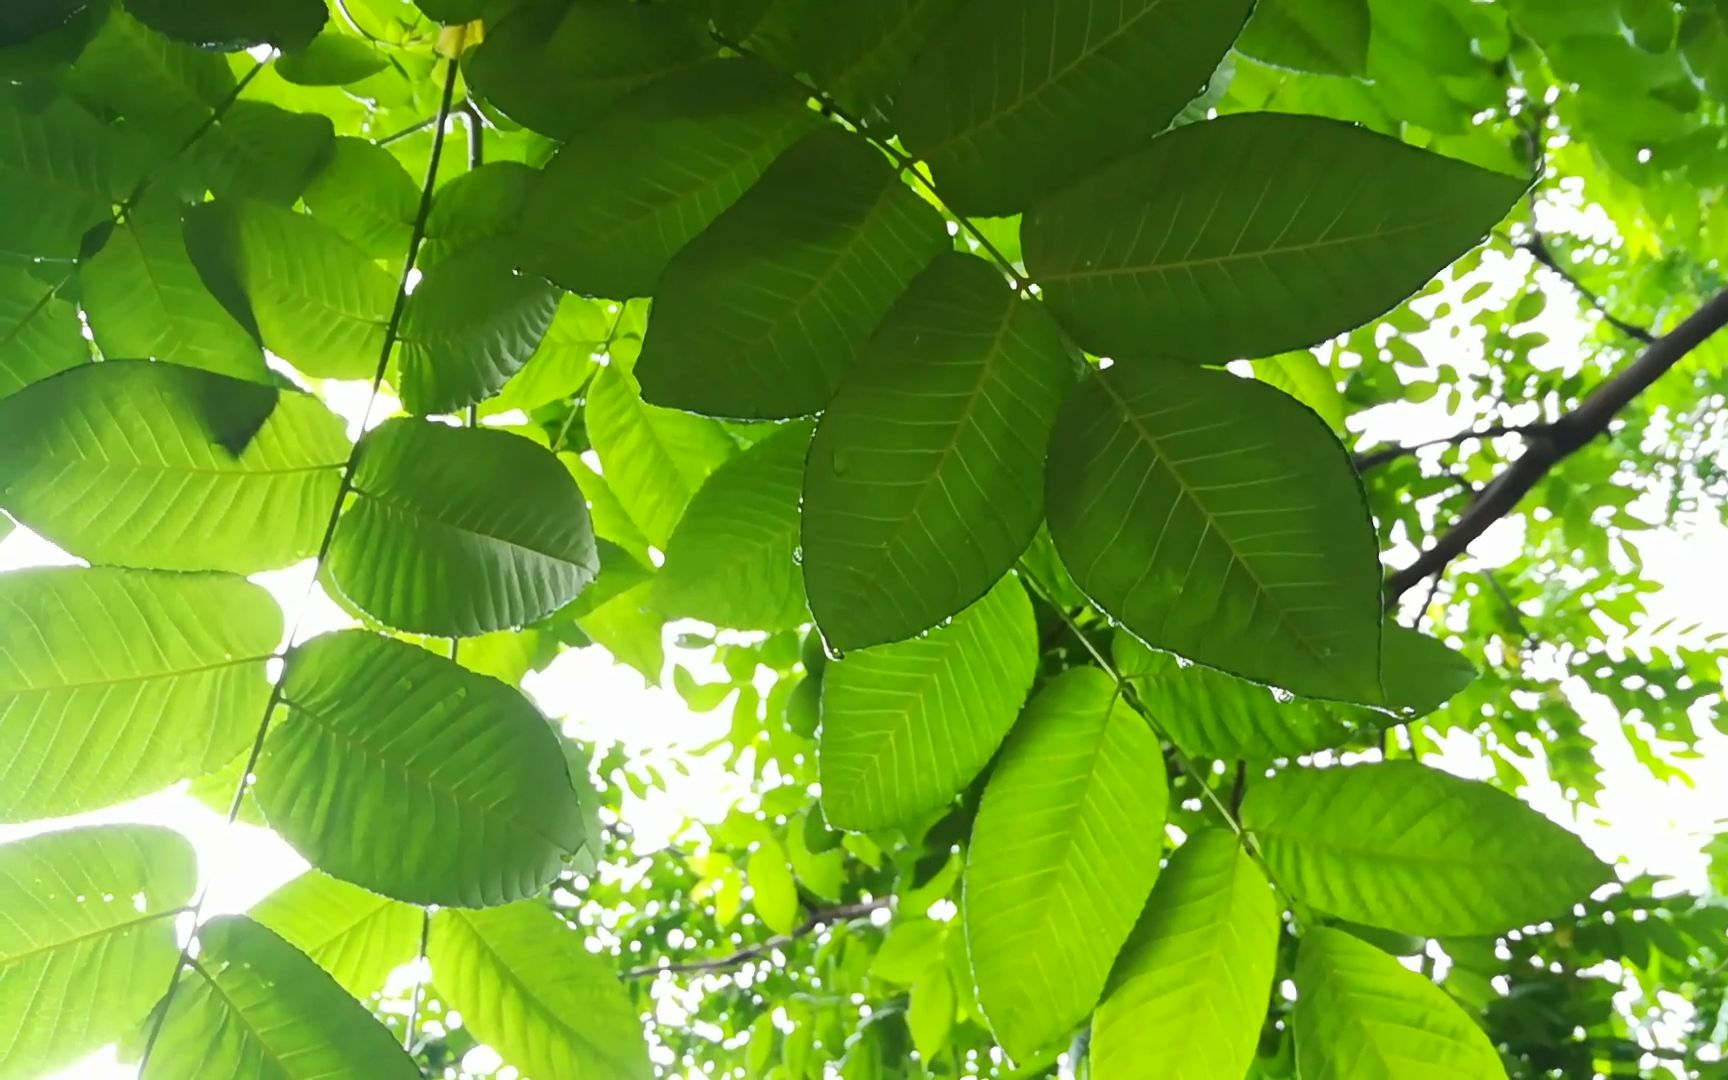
{"points": [[172, 673]]}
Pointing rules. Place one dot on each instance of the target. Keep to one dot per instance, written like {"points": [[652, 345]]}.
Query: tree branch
{"points": [[1538, 249], [1562, 438], [815, 922], [1385, 454]]}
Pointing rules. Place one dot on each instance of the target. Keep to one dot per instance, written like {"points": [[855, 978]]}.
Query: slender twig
{"points": [[1563, 437], [216, 114], [815, 922], [476, 125], [391, 329], [605, 346], [1539, 250], [1374, 458], [425, 935]]}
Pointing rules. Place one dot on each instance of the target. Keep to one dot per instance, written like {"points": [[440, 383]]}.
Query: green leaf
{"points": [[1325, 36], [1283, 257], [483, 204], [655, 459], [773, 890], [60, 173], [403, 773], [1305, 378], [623, 195], [1217, 518], [39, 331], [116, 683], [859, 53], [254, 1006], [557, 65], [926, 475], [331, 59], [1408, 848], [1361, 1015], [565, 360], [906, 727], [1420, 674], [762, 314], [365, 194], [525, 984], [165, 88], [258, 151], [230, 25], [145, 300], [470, 324], [1187, 997], [733, 559], [88, 932], [1020, 98], [356, 936], [157, 465], [930, 1011], [434, 544], [315, 299], [909, 950], [1063, 855]]}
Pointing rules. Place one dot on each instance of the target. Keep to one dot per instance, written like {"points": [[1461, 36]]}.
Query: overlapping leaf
{"points": [[253, 1005], [925, 477], [88, 916], [1016, 99], [733, 560], [1325, 36], [260, 151], [166, 88], [1218, 519], [435, 545], [234, 24], [761, 315], [1236, 238], [905, 727], [60, 172], [526, 985], [311, 296], [358, 937], [857, 53], [39, 331], [1361, 1015], [480, 206], [1063, 855], [1408, 848], [625, 194], [365, 194], [156, 465], [115, 683], [1188, 995], [470, 324], [401, 772]]}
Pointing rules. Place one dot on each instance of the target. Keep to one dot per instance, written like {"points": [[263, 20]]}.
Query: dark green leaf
{"points": [[316, 300], [365, 194], [258, 151], [403, 773], [1235, 237], [906, 727], [139, 464], [762, 314], [1219, 519], [253, 1005], [1019, 98], [925, 478], [331, 59], [357, 936], [733, 560], [624, 194], [1361, 1015], [523, 981], [228, 25], [60, 173], [557, 65], [433, 544], [145, 300], [88, 917], [1063, 855], [1326, 36], [859, 53], [115, 683], [1188, 994], [1419, 673], [39, 331], [483, 204], [1409, 848], [165, 88], [470, 324]]}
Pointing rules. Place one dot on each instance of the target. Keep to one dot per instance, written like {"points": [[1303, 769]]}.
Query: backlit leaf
{"points": [[1408, 848], [774, 892], [116, 683], [358, 937], [365, 194], [260, 151], [434, 545], [60, 173], [1218, 519], [1325, 36], [39, 331], [925, 477], [401, 772], [1063, 855], [470, 324]]}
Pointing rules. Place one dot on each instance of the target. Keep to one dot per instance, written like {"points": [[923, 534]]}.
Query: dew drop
{"points": [[798, 554], [839, 463]]}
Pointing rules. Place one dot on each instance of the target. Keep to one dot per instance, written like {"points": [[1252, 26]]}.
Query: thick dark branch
{"points": [[1563, 437], [815, 922], [1385, 454], [1538, 249]]}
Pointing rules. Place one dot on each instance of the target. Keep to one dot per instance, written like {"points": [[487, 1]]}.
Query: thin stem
{"points": [[391, 329], [476, 125], [216, 114], [1539, 250], [419, 980], [1375, 458], [605, 346], [816, 921]]}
